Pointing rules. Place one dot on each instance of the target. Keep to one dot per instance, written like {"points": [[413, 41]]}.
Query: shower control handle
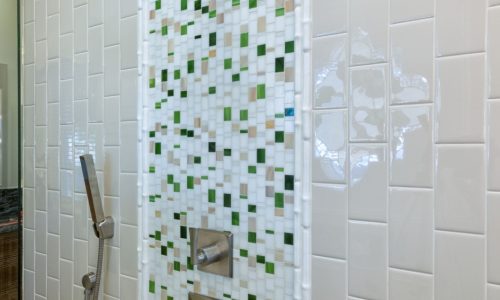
{"points": [[212, 251]]}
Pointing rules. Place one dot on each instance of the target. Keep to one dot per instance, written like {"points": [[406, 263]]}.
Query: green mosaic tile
{"points": [[235, 217], [261, 91], [261, 50], [213, 143], [261, 156], [244, 39]]}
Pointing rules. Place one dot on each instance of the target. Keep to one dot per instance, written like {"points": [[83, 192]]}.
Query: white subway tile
{"points": [[29, 43], [52, 287], [81, 216], [411, 227], [128, 288], [40, 104], [66, 105], [329, 279], [111, 19], [412, 62], [41, 189], [111, 273], [40, 274], [329, 146], [95, 142], [53, 36], [128, 199], [329, 220], [128, 147], [111, 206], [329, 16], [493, 292], [128, 8], [128, 42], [53, 255], [41, 61], [53, 168], [29, 249], [460, 26], [29, 208], [81, 123], [493, 146], [53, 212], [81, 261], [66, 41], [367, 263], [129, 95], [460, 263], [28, 167], [67, 146], [29, 83], [368, 36], [409, 285], [52, 7], [29, 11], [40, 146], [28, 285], [40, 19], [368, 101], [96, 50], [128, 250], [95, 12], [111, 70], [66, 241], [66, 195], [329, 67], [407, 10], [66, 17], [493, 241], [494, 52], [81, 29], [460, 99], [79, 185], [411, 146], [29, 126], [368, 183], [460, 186], [96, 101], [53, 81], [81, 76], [112, 121], [66, 278]]}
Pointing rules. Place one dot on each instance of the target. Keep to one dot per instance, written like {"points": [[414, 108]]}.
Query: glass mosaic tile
{"points": [[221, 139]]}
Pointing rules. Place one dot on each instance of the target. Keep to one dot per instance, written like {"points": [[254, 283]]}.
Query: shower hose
{"points": [[100, 255], [93, 294]]}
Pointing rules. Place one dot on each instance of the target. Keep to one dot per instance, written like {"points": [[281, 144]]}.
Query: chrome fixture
{"points": [[212, 251], [103, 226]]}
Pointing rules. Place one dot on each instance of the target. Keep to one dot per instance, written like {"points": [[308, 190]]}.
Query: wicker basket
{"points": [[8, 265]]}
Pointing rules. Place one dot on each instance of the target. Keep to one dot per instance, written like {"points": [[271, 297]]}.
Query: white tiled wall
{"points": [[406, 149], [80, 94]]}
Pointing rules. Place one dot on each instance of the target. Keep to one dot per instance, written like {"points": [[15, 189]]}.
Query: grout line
{"points": [[450, 56], [419, 20], [456, 232], [410, 271]]}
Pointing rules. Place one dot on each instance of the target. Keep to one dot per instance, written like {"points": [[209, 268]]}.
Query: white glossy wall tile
{"points": [[415, 149], [74, 63]]}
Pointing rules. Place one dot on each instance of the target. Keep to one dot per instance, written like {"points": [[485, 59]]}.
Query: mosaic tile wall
{"points": [[221, 144]]}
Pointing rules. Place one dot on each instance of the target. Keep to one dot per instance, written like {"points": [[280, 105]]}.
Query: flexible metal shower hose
{"points": [[100, 255]]}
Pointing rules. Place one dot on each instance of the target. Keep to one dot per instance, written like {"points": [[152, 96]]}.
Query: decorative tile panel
{"points": [[221, 144]]}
